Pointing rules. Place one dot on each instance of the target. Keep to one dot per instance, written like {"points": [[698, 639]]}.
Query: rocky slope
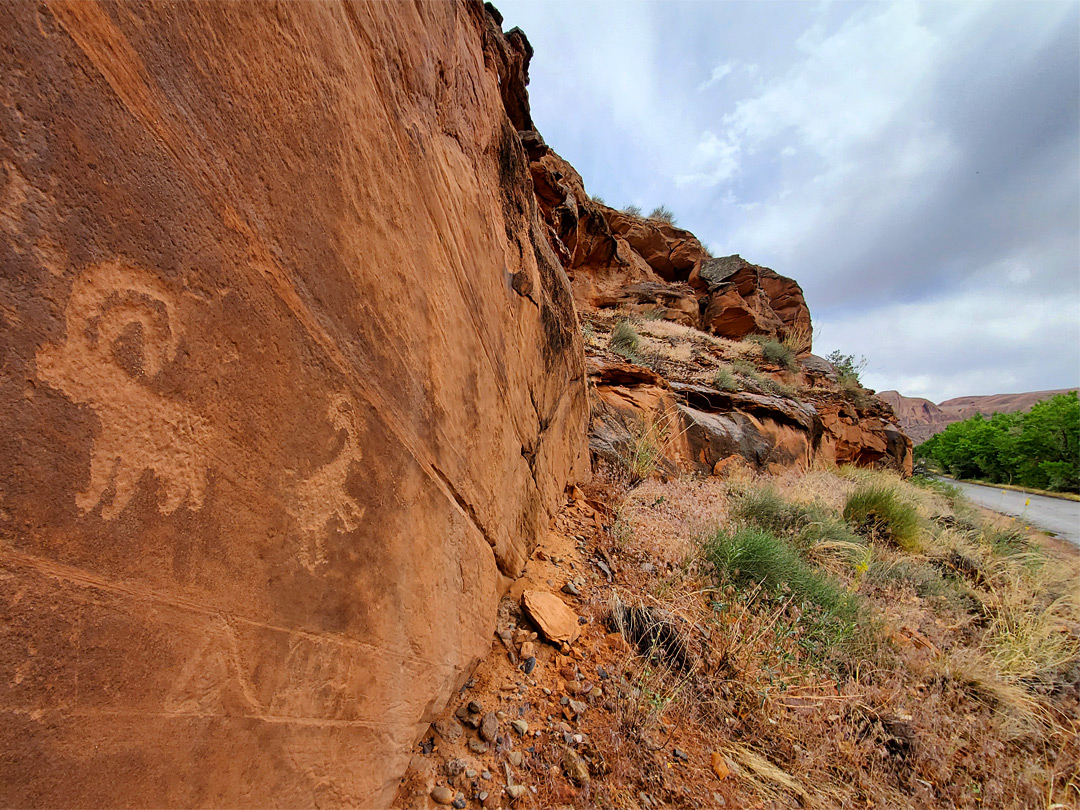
{"points": [[295, 380], [921, 418]]}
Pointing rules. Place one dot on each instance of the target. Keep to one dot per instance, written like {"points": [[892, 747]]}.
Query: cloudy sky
{"points": [[916, 167]]}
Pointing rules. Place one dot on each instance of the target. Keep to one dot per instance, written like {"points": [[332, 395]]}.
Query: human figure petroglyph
{"points": [[322, 497], [140, 428]]}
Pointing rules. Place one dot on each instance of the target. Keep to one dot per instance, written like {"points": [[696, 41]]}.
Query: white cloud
{"points": [[970, 342], [719, 72], [718, 156]]}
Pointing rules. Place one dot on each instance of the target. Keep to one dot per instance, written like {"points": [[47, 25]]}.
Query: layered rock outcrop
{"points": [[746, 299], [292, 381], [691, 427], [617, 259]]}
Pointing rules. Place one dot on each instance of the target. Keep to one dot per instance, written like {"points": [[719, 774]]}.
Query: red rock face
{"points": [[292, 381], [746, 299]]}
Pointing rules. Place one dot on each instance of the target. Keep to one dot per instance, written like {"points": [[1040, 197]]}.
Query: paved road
{"points": [[1060, 516]]}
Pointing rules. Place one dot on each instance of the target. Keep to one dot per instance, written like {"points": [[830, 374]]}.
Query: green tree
{"points": [[1038, 448], [847, 367]]}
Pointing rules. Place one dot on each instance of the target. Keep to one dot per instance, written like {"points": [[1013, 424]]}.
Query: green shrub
{"points": [[775, 352], [765, 509], [750, 554], [596, 198], [746, 368], [877, 513], [853, 392], [663, 213], [632, 210], [847, 367], [807, 525], [624, 340], [725, 380]]}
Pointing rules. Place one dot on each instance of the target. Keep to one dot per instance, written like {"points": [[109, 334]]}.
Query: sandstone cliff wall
{"points": [[291, 382]]}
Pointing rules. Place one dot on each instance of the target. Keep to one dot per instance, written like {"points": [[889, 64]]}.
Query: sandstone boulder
{"points": [[745, 299], [673, 253], [551, 614]]}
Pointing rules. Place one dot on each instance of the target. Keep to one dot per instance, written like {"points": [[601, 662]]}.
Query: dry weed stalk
{"points": [[799, 338]]}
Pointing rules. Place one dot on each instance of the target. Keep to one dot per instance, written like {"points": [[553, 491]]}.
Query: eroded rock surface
{"points": [[292, 382]]}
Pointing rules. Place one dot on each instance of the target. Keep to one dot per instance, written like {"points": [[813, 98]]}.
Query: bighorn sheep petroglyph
{"points": [[140, 429], [322, 497]]}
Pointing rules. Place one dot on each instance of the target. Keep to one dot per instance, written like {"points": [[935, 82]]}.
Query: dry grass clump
{"points": [[624, 340], [879, 514], [725, 348], [798, 339], [647, 448]]}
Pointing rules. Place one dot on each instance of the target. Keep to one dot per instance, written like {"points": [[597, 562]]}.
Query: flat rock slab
{"points": [[556, 621]]}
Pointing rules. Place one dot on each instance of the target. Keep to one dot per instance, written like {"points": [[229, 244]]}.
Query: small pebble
{"points": [[530, 662], [515, 758], [485, 775], [442, 795], [483, 796], [545, 690], [478, 746], [455, 767], [515, 791], [475, 707], [501, 715], [520, 726], [459, 801], [470, 774], [489, 727], [564, 700]]}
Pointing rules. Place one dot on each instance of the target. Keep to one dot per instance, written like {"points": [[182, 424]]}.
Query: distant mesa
{"points": [[921, 418]]}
